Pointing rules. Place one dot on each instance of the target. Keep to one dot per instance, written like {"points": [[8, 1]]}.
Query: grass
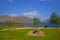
{"points": [[1, 27], [51, 34], [6, 27]]}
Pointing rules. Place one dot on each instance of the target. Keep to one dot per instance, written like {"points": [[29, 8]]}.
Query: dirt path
{"points": [[25, 28], [15, 29]]}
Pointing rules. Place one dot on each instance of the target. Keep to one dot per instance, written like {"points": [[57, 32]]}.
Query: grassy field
{"points": [[6, 27], [51, 34]]}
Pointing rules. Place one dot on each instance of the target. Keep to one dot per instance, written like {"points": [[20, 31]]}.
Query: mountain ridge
{"points": [[21, 19]]}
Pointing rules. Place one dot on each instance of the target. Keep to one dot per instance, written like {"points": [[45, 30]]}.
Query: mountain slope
{"points": [[21, 19]]}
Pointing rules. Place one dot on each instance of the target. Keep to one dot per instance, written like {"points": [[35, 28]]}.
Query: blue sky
{"points": [[30, 8]]}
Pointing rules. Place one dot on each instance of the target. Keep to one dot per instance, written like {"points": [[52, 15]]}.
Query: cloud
{"points": [[33, 13], [10, 1], [11, 15]]}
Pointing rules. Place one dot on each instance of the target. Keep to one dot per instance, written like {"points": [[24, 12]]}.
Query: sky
{"points": [[29, 8]]}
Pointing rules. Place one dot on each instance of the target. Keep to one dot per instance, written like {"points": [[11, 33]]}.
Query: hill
{"points": [[21, 19]]}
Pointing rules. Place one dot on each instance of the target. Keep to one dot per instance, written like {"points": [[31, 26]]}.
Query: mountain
{"points": [[4, 18], [46, 20], [21, 19]]}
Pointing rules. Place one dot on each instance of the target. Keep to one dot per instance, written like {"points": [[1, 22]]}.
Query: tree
{"points": [[8, 23], [54, 18], [36, 22], [59, 20], [20, 24]]}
